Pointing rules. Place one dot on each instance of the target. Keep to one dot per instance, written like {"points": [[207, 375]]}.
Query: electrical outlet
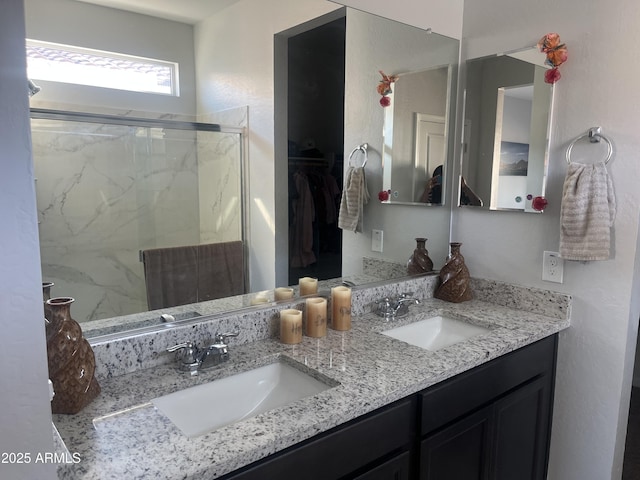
{"points": [[376, 240], [552, 267]]}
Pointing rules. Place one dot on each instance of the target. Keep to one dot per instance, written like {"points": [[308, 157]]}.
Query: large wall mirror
{"points": [[71, 152], [507, 117]]}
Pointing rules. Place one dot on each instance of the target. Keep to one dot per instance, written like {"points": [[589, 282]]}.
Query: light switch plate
{"points": [[376, 240]]}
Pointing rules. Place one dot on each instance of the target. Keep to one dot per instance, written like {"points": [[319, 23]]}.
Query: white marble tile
{"points": [[220, 194]]}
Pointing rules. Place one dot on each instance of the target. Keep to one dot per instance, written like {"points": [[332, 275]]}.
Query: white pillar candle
{"points": [[341, 308], [290, 326], [283, 293], [316, 317], [308, 286]]}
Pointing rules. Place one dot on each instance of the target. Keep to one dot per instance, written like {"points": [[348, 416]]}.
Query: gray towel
{"points": [[354, 196], [220, 270], [196, 273], [587, 213]]}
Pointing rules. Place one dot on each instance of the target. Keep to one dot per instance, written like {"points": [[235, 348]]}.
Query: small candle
{"points": [[290, 326], [259, 300], [308, 286], [316, 317], [283, 293], [341, 308]]}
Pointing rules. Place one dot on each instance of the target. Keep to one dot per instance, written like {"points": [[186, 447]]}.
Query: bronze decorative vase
{"points": [[71, 360], [419, 262], [454, 278]]}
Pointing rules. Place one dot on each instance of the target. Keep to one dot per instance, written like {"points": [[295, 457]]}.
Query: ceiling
{"points": [[185, 11]]}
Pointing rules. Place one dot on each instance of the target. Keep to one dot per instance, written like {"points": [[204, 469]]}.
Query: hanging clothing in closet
{"points": [[301, 228], [313, 213], [326, 196]]}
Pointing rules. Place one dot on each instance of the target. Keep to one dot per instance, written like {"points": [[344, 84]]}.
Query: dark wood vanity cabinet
{"points": [[491, 422]]}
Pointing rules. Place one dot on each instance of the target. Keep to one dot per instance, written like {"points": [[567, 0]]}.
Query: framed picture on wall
{"points": [[514, 158]]}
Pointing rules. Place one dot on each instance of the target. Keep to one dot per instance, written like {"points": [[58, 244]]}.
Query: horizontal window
{"points": [[84, 66]]}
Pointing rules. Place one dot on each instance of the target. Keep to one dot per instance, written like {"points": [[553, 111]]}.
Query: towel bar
{"points": [[362, 148], [595, 135]]}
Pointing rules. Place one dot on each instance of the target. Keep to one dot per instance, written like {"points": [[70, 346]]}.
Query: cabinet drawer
{"points": [[342, 450], [464, 393]]}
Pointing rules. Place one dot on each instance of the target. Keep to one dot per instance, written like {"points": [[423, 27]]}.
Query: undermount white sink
{"points": [[204, 408], [436, 332]]}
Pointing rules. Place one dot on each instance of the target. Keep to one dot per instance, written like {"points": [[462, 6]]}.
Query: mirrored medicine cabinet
{"points": [[507, 120]]}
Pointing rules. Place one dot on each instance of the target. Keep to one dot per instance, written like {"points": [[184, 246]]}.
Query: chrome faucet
{"points": [[190, 358], [391, 307]]}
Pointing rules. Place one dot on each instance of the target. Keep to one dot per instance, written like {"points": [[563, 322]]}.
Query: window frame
{"points": [[109, 59]]}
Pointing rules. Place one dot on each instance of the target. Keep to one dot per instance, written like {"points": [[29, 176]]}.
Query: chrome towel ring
{"points": [[360, 148], [595, 135]]}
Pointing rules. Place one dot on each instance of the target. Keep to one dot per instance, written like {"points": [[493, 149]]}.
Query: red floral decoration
{"points": [[552, 75], [383, 195], [384, 88], [556, 53], [539, 203]]}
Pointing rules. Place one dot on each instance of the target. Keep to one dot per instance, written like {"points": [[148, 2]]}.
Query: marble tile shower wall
{"points": [[105, 192], [219, 187]]}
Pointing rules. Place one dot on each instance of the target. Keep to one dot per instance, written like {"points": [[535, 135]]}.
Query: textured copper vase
{"points": [[454, 278], [419, 262], [71, 361]]}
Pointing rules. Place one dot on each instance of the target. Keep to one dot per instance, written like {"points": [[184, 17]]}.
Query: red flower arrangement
{"points": [[384, 88], [556, 53], [383, 195], [552, 75], [539, 203]]}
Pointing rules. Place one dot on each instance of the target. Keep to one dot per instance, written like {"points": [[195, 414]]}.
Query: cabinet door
{"points": [[459, 451], [522, 432], [395, 469]]}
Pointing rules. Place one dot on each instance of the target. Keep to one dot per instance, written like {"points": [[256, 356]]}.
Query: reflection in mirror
{"points": [[415, 141], [110, 191], [171, 178], [507, 118]]}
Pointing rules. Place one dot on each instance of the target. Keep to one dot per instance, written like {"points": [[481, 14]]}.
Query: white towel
{"points": [[354, 196], [587, 213]]}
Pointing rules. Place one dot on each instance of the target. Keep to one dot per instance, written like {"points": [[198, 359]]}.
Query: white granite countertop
{"points": [[121, 435]]}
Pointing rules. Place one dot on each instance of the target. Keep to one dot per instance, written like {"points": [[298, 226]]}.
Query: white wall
{"points": [[235, 58], [598, 87], [25, 412]]}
